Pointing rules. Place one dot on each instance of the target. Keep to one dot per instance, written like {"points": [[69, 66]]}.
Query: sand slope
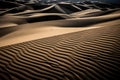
{"points": [[91, 54]]}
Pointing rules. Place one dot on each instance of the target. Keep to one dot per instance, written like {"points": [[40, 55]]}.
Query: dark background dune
{"points": [[111, 1]]}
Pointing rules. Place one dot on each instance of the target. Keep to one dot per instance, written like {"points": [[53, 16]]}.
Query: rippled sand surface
{"points": [[61, 41]]}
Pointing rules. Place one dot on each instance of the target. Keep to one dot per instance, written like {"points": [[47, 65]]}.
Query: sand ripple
{"points": [[73, 56]]}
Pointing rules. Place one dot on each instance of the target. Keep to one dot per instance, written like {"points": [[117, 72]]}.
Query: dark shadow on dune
{"points": [[7, 30], [44, 18], [14, 10], [38, 6], [11, 7], [103, 5], [87, 22], [3, 72], [70, 7], [7, 4]]}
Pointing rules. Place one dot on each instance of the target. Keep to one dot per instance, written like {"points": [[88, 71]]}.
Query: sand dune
{"points": [[79, 22], [72, 56], [38, 6], [68, 19], [84, 12], [62, 41], [55, 8], [102, 13], [11, 7], [40, 17]]}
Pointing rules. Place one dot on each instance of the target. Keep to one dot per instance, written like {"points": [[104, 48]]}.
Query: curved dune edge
{"points": [[37, 31], [91, 54], [93, 15]]}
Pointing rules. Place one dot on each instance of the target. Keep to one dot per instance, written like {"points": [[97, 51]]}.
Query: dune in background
{"points": [[62, 41]]}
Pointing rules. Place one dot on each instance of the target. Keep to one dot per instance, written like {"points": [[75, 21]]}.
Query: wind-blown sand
{"points": [[61, 41], [90, 54]]}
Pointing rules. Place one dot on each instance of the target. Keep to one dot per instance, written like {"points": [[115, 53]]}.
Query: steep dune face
{"points": [[62, 41]]}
